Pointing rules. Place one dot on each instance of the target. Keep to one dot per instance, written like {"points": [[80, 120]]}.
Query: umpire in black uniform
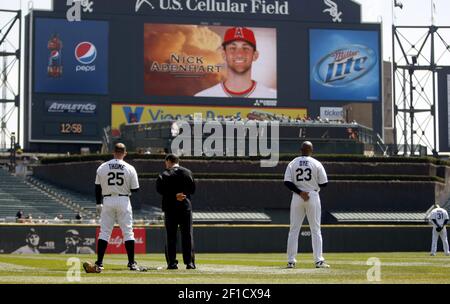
{"points": [[176, 184]]}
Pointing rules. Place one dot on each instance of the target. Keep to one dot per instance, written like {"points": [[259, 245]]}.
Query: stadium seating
{"points": [[86, 203], [17, 194], [376, 192]]}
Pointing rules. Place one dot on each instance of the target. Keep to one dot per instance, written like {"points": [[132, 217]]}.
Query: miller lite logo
{"points": [[344, 65]]}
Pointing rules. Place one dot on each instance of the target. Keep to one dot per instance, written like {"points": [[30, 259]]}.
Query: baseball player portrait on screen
{"points": [[239, 52], [210, 61], [114, 182], [439, 218], [305, 176]]}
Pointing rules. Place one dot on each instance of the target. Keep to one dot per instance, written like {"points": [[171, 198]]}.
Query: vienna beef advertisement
{"points": [[210, 61], [122, 114]]}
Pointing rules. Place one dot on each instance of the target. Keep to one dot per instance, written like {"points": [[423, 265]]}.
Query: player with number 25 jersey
{"points": [[114, 183]]}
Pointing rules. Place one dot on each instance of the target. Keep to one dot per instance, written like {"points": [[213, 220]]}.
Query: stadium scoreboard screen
{"points": [[119, 62]]}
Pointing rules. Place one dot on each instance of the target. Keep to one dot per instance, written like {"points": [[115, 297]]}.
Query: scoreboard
{"points": [[100, 64]]}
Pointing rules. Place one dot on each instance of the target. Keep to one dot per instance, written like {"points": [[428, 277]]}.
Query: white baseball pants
{"points": [[434, 240], [312, 209], [116, 209]]}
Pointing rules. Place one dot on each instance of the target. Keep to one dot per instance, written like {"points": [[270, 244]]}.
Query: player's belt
{"points": [[115, 195]]}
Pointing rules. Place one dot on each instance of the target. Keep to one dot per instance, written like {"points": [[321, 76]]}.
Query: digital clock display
{"points": [[71, 128]]}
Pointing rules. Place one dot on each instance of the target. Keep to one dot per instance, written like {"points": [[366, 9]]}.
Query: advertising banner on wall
{"points": [[344, 65], [332, 113], [117, 243], [141, 113], [37, 240]]}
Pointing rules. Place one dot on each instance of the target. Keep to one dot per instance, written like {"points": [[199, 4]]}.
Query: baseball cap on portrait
{"points": [[239, 33], [31, 232]]}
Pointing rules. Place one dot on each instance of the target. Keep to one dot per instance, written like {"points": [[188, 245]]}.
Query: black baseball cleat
{"points": [[322, 264], [290, 265], [135, 267], [190, 266], [172, 266]]}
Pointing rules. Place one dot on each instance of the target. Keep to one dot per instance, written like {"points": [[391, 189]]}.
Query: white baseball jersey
{"points": [[26, 250], [306, 173], [258, 90], [117, 177], [438, 214]]}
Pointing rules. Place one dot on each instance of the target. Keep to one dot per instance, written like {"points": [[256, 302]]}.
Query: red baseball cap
{"points": [[239, 33]]}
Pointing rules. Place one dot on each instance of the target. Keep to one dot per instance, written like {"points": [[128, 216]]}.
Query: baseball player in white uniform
{"points": [[439, 218], [305, 176], [114, 183], [239, 52]]}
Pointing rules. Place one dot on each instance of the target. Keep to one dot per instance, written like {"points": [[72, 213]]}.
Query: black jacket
{"points": [[173, 181]]}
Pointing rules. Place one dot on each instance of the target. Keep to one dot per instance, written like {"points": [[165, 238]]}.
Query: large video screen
{"points": [[344, 65], [210, 61], [176, 65]]}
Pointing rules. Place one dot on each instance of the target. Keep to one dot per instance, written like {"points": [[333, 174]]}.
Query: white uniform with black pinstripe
{"points": [[116, 178], [306, 173], [439, 215]]}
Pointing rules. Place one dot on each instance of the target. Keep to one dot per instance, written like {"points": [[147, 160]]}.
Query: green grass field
{"points": [[404, 268]]}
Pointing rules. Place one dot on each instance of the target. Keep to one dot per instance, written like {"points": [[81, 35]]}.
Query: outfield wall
{"points": [[234, 238]]}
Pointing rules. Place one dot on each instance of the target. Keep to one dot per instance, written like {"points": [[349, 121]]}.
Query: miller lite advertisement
{"points": [[345, 65], [71, 57]]}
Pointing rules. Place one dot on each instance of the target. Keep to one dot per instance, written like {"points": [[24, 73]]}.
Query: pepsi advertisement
{"points": [[71, 57], [345, 65]]}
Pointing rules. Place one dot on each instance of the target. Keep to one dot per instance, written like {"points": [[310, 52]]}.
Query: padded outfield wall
{"points": [[230, 238]]}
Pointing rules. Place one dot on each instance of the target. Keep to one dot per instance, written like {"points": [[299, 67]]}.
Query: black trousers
{"points": [[183, 219]]}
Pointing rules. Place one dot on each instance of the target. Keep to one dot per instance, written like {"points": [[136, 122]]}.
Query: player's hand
{"points": [[304, 196], [99, 209], [438, 229], [181, 197]]}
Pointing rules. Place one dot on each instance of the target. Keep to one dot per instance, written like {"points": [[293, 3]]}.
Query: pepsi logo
{"points": [[85, 52], [54, 54]]}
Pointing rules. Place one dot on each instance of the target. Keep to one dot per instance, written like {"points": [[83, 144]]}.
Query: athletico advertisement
{"points": [[345, 65], [132, 113], [71, 57], [71, 107], [210, 61]]}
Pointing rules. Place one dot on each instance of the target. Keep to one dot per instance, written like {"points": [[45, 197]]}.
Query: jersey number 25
{"points": [[115, 178]]}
